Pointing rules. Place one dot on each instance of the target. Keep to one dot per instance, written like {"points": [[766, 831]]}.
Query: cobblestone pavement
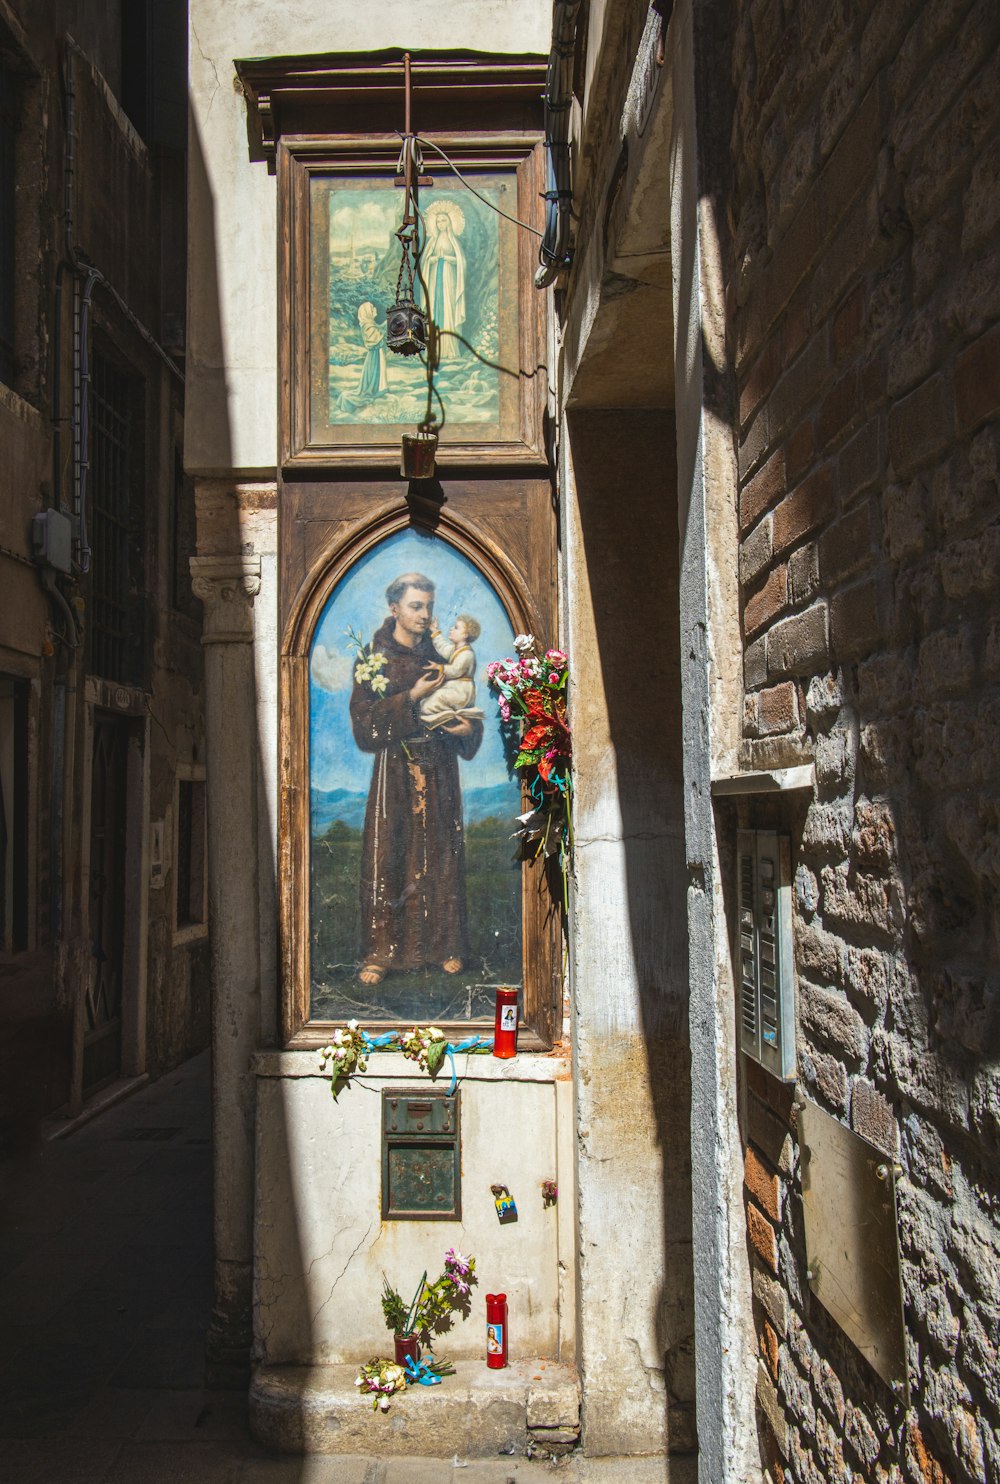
{"points": [[106, 1265]]}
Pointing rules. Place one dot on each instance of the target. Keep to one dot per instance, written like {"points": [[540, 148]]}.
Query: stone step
{"points": [[477, 1413]]}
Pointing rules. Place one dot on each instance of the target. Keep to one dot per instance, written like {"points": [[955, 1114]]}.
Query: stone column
{"points": [[227, 586]]}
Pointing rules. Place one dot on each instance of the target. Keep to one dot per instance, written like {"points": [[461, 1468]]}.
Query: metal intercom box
{"points": [[421, 1155], [764, 957]]}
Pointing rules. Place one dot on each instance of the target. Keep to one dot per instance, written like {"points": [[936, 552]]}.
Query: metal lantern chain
{"points": [[404, 290], [406, 325]]}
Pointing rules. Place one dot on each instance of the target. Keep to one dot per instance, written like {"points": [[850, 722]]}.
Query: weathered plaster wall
{"points": [[629, 962], [710, 700], [322, 1247], [232, 349], [865, 284], [628, 922]]}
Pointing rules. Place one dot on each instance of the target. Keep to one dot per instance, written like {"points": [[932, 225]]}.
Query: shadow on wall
{"points": [[624, 465], [245, 990]]}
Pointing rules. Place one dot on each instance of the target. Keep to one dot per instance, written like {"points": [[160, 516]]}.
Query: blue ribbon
{"points": [[539, 792], [468, 1045], [418, 1371], [372, 1041]]}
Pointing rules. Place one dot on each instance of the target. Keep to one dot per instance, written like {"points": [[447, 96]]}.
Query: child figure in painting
{"points": [[455, 695], [374, 376]]}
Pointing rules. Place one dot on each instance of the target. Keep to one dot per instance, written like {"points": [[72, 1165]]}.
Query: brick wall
{"points": [[865, 294]]}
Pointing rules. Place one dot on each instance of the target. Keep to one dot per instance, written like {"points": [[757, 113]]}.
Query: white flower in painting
{"points": [[330, 671]]}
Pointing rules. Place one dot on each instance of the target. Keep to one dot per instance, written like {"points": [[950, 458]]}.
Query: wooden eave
{"points": [[358, 93]]}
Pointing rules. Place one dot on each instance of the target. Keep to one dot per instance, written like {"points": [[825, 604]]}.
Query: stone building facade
{"points": [[773, 395], [105, 948], [862, 285]]}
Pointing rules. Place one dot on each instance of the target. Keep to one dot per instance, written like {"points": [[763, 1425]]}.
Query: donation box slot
{"points": [[421, 1155]]}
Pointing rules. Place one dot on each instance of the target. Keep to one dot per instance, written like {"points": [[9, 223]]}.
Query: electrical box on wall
{"points": [[52, 539], [764, 951]]}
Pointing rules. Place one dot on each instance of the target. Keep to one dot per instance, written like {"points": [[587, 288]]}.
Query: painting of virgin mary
{"points": [[358, 392], [444, 275]]}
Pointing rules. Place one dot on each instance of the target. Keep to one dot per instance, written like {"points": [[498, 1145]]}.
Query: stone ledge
{"points": [[388, 1066], [476, 1412]]}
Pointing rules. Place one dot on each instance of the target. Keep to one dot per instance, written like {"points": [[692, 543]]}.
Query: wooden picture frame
{"points": [[345, 401], [540, 913]]}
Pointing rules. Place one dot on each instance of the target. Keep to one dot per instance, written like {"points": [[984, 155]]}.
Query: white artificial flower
{"points": [[524, 642], [352, 1025]]}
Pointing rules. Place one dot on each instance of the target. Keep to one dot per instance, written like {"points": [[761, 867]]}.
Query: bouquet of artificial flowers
{"points": [[381, 1378], [426, 1046], [532, 695], [433, 1303], [346, 1052]]}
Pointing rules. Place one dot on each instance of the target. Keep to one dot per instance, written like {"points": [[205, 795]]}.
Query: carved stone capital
{"points": [[227, 586]]}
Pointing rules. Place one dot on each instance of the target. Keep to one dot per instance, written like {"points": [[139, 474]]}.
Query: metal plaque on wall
{"points": [[852, 1240], [421, 1155]]}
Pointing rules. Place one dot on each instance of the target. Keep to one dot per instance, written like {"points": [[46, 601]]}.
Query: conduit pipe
{"points": [[555, 253]]}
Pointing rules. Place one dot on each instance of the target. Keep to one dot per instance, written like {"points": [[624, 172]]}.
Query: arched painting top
{"points": [[415, 902], [345, 551]]}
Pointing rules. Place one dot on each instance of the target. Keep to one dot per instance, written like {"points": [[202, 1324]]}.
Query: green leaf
{"points": [[435, 1056], [529, 759], [411, 1316]]}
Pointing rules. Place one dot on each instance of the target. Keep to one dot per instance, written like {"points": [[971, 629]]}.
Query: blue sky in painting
{"points": [[358, 601]]}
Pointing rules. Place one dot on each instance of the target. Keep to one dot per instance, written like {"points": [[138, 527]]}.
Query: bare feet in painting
{"points": [[452, 965], [371, 974]]}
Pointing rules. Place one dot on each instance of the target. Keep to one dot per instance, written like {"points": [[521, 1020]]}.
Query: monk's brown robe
{"points": [[413, 908]]}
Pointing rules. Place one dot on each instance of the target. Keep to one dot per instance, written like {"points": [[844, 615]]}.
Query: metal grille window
{"points": [[8, 142], [116, 524]]}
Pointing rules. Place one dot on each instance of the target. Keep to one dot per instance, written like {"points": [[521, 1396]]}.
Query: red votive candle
{"points": [[505, 1025], [496, 1331]]}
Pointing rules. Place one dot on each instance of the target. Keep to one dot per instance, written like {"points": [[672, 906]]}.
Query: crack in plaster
{"points": [[651, 1371], [210, 61], [347, 1264], [582, 841]]}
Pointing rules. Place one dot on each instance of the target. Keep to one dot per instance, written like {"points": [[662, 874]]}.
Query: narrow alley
{"points": [[499, 765], [106, 1254]]}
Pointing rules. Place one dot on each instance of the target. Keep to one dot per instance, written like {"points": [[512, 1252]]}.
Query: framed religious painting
{"points": [[406, 896], [480, 383]]}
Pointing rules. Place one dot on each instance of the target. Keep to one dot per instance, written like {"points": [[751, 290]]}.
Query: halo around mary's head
{"points": [[446, 207]]}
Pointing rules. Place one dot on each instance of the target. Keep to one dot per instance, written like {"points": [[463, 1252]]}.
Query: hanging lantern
{"points": [[406, 325]]}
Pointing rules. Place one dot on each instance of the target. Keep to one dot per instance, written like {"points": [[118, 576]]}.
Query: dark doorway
{"points": [[102, 1043]]}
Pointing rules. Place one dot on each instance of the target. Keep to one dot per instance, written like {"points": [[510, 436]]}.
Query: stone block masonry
{"points": [[865, 285]]}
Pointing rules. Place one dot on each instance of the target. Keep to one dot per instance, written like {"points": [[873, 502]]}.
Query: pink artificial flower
{"points": [[553, 678], [555, 657]]}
